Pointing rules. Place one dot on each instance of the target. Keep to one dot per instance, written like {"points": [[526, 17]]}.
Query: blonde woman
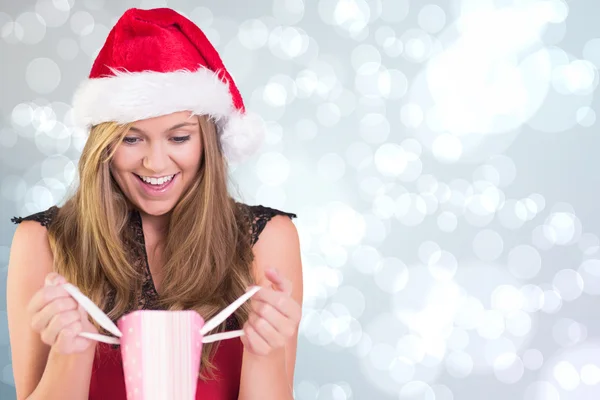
{"points": [[153, 226]]}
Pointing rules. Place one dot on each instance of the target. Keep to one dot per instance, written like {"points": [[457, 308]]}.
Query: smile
{"points": [[156, 185]]}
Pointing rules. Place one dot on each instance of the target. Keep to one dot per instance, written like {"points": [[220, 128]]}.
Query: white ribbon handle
{"points": [[222, 316], [105, 322]]}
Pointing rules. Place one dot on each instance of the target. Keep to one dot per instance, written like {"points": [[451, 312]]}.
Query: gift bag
{"points": [[161, 350]]}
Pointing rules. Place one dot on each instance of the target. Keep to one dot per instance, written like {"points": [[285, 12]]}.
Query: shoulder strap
{"points": [[43, 217], [260, 215]]}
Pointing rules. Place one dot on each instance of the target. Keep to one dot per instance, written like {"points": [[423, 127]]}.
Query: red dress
{"points": [[108, 380]]}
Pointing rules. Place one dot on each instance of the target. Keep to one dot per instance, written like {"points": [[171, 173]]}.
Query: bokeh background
{"points": [[442, 157]]}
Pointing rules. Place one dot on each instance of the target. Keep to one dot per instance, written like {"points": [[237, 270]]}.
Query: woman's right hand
{"points": [[58, 318]]}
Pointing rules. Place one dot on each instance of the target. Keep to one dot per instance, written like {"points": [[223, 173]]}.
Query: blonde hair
{"points": [[208, 249]]}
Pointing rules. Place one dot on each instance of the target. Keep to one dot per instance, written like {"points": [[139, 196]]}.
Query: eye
{"points": [[181, 139], [130, 140]]}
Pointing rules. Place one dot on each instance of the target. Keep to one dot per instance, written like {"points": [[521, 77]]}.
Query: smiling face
{"points": [[157, 161]]}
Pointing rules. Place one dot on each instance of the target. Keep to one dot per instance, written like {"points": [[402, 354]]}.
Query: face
{"points": [[157, 160]]}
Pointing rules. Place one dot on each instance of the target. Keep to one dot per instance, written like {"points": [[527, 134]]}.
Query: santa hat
{"points": [[156, 62]]}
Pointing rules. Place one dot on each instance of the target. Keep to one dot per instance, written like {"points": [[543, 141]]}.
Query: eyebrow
{"points": [[181, 125]]}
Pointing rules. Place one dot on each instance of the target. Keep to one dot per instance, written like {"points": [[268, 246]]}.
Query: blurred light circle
{"points": [[402, 370], [444, 266], [331, 167], [410, 209], [566, 375], [586, 116], [533, 359], [416, 390], [508, 368], [53, 12], [42, 75], [432, 18], [328, 114], [289, 12], [567, 332], [22, 114], [352, 298], [390, 159], [373, 80], [458, 339], [93, 42], [541, 390], [429, 252], [364, 54], [562, 228], [590, 374], [589, 271], [507, 298], [253, 34], [382, 356], [447, 221], [391, 275], [346, 225], [34, 27], [82, 23], [568, 283], [273, 168], [374, 128], [459, 364], [552, 302], [394, 11], [518, 323], [488, 245], [524, 262], [447, 148]]}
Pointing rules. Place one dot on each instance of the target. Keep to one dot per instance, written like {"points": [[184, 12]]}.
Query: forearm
{"points": [[263, 379], [66, 377]]}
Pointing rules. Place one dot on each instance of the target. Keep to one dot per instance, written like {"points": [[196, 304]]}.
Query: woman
{"points": [[152, 226]]}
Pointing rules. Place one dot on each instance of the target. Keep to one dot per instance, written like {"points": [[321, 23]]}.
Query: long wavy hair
{"points": [[207, 249]]}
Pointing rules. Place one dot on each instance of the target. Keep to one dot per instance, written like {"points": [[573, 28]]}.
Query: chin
{"points": [[156, 210]]}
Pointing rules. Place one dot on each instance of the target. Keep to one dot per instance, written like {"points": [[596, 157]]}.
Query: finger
{"points": [[255, 342], [42, 318], [67, 340], [45, 296], [278, 300], [59, 323], [54, 279], [266, 331], [280, 283], [276, 319]]}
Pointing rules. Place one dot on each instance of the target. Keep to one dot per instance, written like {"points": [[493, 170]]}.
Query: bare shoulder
{"points": [[278, 247], [30, 250]]}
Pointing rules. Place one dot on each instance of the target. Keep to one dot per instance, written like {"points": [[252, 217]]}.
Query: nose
{"points": [[156, 159]]}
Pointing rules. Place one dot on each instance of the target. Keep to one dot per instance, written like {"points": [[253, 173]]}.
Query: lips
{"points": [[156, 189]]}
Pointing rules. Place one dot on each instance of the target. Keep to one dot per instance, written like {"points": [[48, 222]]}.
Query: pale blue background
{"points": [[442, 158]]}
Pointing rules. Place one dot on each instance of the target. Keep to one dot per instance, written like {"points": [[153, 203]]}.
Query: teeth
{"points": [[157, 181]]}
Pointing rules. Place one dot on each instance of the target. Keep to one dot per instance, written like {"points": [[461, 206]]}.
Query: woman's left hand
{"points": [[274, 317]]}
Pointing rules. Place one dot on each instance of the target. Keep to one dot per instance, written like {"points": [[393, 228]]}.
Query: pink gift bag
{"points": [[161, 350]]}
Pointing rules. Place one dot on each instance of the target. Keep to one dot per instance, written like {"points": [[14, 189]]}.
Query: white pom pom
{"points": [[242, 135]]}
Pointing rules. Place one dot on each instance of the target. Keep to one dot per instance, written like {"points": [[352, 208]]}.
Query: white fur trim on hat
{"points": [[132, 96]]}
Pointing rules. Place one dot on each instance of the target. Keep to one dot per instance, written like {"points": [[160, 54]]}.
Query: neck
{"points": [[156, 225]]}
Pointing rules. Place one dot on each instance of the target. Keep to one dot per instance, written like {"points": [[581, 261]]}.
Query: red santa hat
{"points": [[156, 62]]}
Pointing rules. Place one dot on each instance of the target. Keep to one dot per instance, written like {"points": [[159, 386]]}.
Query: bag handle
{"points": [[104, 321]]}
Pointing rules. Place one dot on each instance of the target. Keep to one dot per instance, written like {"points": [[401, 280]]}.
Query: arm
{"points": [[271, 376], [39, 371]]}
